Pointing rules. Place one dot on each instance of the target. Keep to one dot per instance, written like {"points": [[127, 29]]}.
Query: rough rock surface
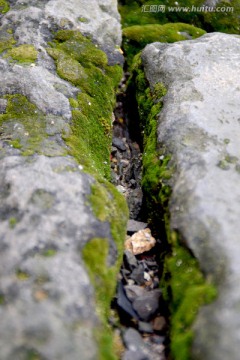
{"points": [[47, 301], [199, 126]]}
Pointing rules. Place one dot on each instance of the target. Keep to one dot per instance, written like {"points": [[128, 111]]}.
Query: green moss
{"points": [[135, 38], [2, 299], [189, 291], [231, 159], [12, 222], [83, 19], [49, 252], [185, 288], [223, 164], [237, 168], [104, 279], [23, 54], [32, 355], [6, 40], [80, 62], [30, 120], [15, 144], [22, 275], [4, 6], [108, 206], [226, 141], [156, 163]]}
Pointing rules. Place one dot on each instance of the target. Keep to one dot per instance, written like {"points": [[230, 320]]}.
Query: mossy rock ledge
{"points": [[188, 98], [62, 222]]}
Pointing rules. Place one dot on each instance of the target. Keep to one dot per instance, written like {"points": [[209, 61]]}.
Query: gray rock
{"points": [[147, 305], [199, 127]]}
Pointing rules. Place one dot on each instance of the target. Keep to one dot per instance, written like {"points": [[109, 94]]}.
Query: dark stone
{"points": [[159, 340], [138, 275], [124, 303], [145, 327], [147, 305], [134, 201], [134, 291], [130, 260], [117, 142]]}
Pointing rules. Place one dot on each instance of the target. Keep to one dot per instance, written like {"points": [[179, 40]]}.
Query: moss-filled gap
{"points": [[184, 286]]}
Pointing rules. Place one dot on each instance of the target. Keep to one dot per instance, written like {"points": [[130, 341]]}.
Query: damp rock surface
{"points": [[199, 128]]}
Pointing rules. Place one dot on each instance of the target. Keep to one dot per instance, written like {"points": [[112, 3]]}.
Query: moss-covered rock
{"points": [[6, 40], [53, 212], [4, 6], [135, 38], [80, 62], [23, 136], [23, 54]]}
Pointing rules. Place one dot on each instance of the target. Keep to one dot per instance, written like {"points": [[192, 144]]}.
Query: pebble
{"points": [[140, 242], [133, 183], [124, 303], [147, 305], [156, 339], [113, 150], [134, 291], [134, 355], [145, 327], [138, 275], [159, 323], [129, 260], [146, 276], [134, 201], [132, 339], [118, 143], [121, 189]]}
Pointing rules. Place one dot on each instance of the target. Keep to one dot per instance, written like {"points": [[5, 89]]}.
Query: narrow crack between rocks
{"points": [[142, 321]]}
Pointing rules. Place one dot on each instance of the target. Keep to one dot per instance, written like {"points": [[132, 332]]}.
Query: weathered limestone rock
{"points": [[52, 211], [199, 126]]}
